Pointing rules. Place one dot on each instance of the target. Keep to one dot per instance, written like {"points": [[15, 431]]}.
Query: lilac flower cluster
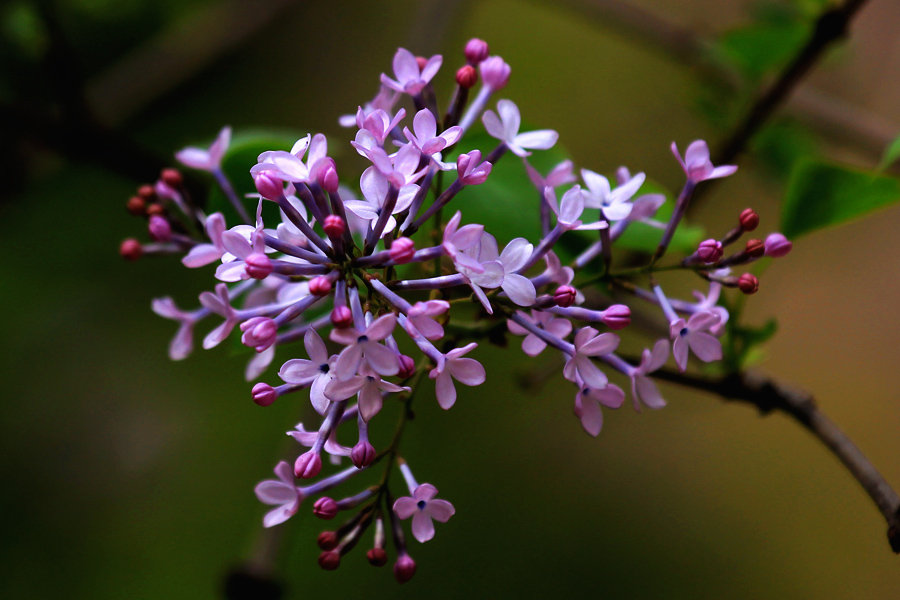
{"points": [[351, 275]]}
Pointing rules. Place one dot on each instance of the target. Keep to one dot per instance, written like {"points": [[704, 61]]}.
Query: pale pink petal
{"points": [[444, 390], [431, 67], [348, 361], [381, 327], [537, 140], [315, 347], [493, 125], [280, 515], [648, 392], [440, 510], [602, 344], [369, 401], [317, 397], [516, 254], [706, 347], [590, 373], [298, 370], [195, 158], [183, 342], [467, 371], [509, 114], [422, 527], [405, 507], [339, 389], [597, 184], [533, 345], [589, 411], [382, 359], [680, 352], [519, 289], [425, 491], [201, 255]]}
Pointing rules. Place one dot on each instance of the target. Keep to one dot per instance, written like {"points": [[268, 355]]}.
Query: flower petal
{"points": [[422, 527]]}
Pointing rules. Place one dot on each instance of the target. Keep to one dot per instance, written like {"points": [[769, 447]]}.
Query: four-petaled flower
{"points": [[694, 334], [506, 129], [317, 372], [422, 506], [467, 371], [209, 159], [282, 493], [642, 387], [587, 344], [696, 163], [363, 345], [532, 345], [410, 78]]}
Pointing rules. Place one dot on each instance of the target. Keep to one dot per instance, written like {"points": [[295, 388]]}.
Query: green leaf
{"points": [[780, 145], [245, 147], [758, 49], [821, 194], [891, 154]]}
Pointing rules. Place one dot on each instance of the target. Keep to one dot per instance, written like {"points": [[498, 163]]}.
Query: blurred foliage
{"points": [[891, 154], [822, 194]]}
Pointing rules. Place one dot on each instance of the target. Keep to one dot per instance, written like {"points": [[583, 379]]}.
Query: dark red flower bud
{"points": [[755, 248], [319, 286], [749, 219], [362, 455], [131, 249], [467, 76], [155, 209], [172, 178], [334, 226], [421, 61], [617, 316], [308, 465], [327, 540], [341, 317], [136, 205], [330, 560], [377, 557], [407, 366], [748, 283], [146, 192]]}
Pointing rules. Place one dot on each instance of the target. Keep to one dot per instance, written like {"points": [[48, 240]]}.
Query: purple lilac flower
{"points": [[532, 345], [410, 78], [505, 128], [282, 493], [696, 163], [589, 343], [209, 159], [467, 371]]}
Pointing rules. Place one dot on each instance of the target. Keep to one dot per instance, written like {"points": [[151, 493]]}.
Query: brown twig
{"points": [[768, 395]]}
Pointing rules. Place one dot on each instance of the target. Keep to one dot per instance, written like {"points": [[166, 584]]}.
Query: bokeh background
{"points": [[126, 475]]}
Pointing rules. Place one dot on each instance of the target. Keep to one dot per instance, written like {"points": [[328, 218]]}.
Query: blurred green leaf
{"points": [[891, 154], [780, 145], [760, 48], [821, 194]]}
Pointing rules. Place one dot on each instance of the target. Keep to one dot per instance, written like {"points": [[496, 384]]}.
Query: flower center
{"points": [[683, 332], [421, 504], [324, 368]]}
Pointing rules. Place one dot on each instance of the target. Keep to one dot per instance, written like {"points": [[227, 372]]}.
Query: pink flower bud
{"points": [[476, 51], [362, 455], [341, 317], [402, 250], [564, 296], [749, 219], [319, 286], [325, 508], [308, 465], [755, 248], [709, 251], [330, 560], [407, 366], [259, 333], [258, 265], [494, 72], [327, 540], [159, 228], [377, 557], [748, 283], [268, 186], [617, 316], [172, 178], [404, 568], [131, 249], [777, 245], [471, 170], [421, 61], [146, 192], [467, 77], [327, 175], [334, 226], [263, 394]]}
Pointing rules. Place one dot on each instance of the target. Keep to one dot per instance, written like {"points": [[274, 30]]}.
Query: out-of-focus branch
{"points": [[831, 116], [768, 395]]}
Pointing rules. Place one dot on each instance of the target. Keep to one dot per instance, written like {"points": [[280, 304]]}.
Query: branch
{"points": [[768, 395]]}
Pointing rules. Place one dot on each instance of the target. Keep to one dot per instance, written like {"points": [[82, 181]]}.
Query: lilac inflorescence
{"points": [[377, 303]]}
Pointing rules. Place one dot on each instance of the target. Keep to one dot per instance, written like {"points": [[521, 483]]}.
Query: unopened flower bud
{"points": [[319, 286], [377, 557], [258, 265], [709, 251], [404, 568], [341, 317], [330, 560], [146, 192], [131, 249], [327, 175], [470, 168], [749, 219], [263, 394], [407, 366], [467, 76], [268, 186], [259, 333], [159, 228], [421, 61], [325, 508], [334, 226], [362, 455], [617, 316], [136, 205], [564, 296], [155, 209], [748, 283], [172, 178], [755, 248], [402, 250], [476, 51], [308, 465], [327, 540], [777, 245], [494, 72]]}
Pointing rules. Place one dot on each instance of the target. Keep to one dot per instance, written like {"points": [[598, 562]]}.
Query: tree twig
{"points": [[768, 395]]}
